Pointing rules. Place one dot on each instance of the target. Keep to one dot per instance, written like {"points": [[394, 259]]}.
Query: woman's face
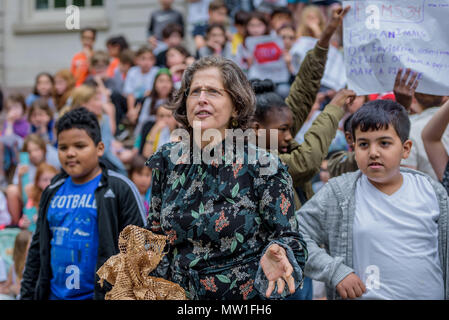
{"points": [[45, 179], [209, 105], [163, 86], [60, 85], [37, 155], [95, 104], [174, 57], [44, 86], [256, 28], [39, 118]]}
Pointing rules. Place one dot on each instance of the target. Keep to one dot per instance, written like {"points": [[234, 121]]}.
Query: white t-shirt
{"points": [[395, 241], [137, 83], [418, 156]]}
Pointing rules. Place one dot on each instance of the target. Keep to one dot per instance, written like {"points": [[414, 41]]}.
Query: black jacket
{"points": [[118, 205]]}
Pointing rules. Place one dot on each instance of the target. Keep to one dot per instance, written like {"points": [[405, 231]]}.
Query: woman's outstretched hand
{"points": [[277, 269]]}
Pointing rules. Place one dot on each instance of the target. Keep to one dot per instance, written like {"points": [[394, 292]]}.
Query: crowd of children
{"points": [[80, 140]]}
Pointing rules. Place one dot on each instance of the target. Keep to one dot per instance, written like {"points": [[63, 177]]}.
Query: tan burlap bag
{"points": [[128, 272]]}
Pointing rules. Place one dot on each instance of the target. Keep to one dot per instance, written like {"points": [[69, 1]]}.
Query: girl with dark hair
{"points": [[216, 42], [257, 25], [162, 89], [43, 89]]}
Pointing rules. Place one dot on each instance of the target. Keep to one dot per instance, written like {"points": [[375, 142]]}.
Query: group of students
{"points": [[74, 154]]}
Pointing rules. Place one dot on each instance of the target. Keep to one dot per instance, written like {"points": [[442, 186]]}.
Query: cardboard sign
{"points": [[384, 35]]}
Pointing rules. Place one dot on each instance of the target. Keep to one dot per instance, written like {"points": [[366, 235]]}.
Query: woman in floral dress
{"points": [[230, 220]]}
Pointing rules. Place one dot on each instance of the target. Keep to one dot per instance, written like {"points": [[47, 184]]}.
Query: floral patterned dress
{"points": [[220, 219]]}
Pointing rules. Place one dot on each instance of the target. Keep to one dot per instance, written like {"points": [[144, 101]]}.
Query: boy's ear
{"points": [[406, 148], [100, 149]]}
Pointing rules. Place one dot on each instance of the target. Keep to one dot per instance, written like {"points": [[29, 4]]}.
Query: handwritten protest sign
{"points": [[384, 35], [268, 59], [334, 72]]}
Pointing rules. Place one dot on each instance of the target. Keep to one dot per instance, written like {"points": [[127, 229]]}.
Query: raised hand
{"points": [[335, 21], [343, 98], [403, 89]]}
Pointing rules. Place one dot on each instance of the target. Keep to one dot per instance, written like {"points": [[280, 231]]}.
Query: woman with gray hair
{"points": [[230, 221]]}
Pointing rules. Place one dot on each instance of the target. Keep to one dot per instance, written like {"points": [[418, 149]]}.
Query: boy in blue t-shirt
{"points": [[81, 215]]}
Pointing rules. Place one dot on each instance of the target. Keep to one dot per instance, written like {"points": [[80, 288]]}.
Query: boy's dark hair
{"points": [[180, 49], [127, 56], [347, 124], [172, 28], [266, 99], [241, 17], [379, 114], [281, 11], [215, 25], [83, 119], [144, 49], [118, 41], [137, 165], [93, 30], [217, 4], [428, 100]]}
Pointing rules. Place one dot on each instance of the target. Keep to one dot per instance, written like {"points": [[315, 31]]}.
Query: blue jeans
{"points": [[306, 293]]}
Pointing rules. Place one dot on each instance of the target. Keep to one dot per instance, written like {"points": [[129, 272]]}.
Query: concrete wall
{"points": [[28, 46]]}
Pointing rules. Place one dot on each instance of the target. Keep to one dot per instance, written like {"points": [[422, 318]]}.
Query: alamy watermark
{"points": [[72, 22]]}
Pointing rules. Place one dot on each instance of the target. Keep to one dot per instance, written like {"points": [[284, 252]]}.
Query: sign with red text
{"points": [[267, 59]]}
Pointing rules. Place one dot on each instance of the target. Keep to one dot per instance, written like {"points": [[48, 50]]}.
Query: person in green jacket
{"points": [[304, 160]]}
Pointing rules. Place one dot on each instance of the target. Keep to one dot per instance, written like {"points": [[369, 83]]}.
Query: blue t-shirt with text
{"points": [[72, 216]]}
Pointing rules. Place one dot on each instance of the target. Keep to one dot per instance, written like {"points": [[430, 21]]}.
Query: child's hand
{"points": [[24, 222], [133, 113], [22, 170], [351, 287], [335, 21], [152, 41], [343, 98], [403, 90]]}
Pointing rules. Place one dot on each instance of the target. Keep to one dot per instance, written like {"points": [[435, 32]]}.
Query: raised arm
{"points": [[431, 136], [307, 82], [304, 160]]}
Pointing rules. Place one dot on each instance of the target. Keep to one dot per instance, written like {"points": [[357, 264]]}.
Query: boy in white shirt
{"points": [[384, 228], [139, 81]]}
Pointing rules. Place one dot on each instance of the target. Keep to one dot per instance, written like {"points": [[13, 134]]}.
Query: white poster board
{"points": [[267, 54], [334, 76], [381, 36]]}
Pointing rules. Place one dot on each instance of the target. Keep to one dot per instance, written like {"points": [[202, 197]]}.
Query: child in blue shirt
{"points": [[81, 215]]}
